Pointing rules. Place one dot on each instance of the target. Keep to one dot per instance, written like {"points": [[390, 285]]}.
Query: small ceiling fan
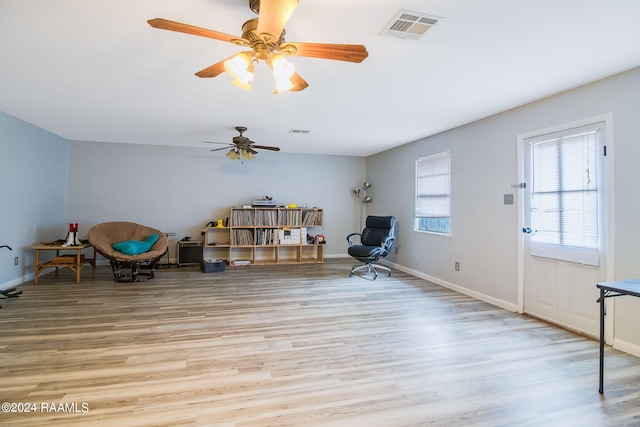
{"points": [[241, 147], [265, 36]]}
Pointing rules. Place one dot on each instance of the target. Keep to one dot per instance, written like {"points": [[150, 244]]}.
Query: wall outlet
{"points": [[457, 266], [15, 261]]}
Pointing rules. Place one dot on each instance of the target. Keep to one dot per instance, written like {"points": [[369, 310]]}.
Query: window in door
{"points": [[564, 194]]}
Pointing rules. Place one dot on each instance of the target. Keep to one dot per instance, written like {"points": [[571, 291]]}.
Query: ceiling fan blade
{"points": [[165, 24], [226, 145], [338, 52], [213, 70], [298, 83], [265, 147], [274, 15]]}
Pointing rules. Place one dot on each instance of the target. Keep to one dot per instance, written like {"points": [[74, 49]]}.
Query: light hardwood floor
{"points": [[301, 345]]}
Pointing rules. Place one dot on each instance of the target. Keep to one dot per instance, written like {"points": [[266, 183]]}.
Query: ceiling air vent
{"points": [[410, 25], [302, 131]]}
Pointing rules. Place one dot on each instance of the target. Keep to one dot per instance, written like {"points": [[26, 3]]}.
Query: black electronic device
{"points": [[189, 252]]}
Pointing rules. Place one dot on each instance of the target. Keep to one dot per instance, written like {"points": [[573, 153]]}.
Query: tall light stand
{"points": [[361, 194]]}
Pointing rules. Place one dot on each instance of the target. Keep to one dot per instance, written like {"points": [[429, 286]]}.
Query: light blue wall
{"points": [[33, 194]]}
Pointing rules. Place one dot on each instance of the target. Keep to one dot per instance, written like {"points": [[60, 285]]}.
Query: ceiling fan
{"points": [[241, 147], [265, 36]]}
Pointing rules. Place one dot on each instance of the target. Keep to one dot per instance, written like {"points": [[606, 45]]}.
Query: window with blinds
{"points": [[564, 195], [433, 193]]}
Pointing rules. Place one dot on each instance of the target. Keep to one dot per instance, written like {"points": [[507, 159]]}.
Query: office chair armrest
{"points": [[351, 236], [386, 243]]}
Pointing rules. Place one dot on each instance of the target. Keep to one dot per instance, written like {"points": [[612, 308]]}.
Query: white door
{"points": [[564, 225]]}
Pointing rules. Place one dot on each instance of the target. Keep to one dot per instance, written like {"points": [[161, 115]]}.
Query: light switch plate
{"points": [[508, 199]]}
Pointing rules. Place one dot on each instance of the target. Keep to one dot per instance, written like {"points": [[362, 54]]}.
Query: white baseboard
{"points": [[17, 281], [473, 294], [336, 256], [627, 347]]}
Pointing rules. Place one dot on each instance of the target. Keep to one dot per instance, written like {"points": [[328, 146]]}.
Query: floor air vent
{"points": [[410, 25]]}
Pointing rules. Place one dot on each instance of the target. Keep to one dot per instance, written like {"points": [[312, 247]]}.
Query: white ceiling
{"points": [[94, 70]]}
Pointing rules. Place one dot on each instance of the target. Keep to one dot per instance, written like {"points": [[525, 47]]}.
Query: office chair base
{"points": [[371, 268], [10, 293]]}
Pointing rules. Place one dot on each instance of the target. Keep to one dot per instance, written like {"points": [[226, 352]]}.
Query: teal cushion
{"points": [[152, 239], [134, 247]]}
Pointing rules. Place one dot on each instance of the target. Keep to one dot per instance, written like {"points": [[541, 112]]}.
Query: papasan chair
{"points": [[132, 249]]}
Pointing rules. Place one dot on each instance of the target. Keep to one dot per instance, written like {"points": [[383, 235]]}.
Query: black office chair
{"points": [[375, 242]]}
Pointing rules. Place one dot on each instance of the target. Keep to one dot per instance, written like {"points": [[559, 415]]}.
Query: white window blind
{"points": [[433, 193], [564, 195]]}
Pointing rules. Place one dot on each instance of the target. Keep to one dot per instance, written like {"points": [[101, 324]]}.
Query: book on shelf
{"points": [[240, 217], [242, 237], [312, 218], [290, 217], [267, 217], [265, 236]]}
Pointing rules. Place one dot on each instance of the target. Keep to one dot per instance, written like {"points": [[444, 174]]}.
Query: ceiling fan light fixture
{"points": [[242, 84], [233, 154], [240, 67], [282, 69], [283, 85]]}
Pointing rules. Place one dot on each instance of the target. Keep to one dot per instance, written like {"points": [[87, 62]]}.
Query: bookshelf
{"points": [[266, 236]]}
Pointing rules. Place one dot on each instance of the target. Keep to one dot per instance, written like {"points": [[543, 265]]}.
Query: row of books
{"points": [[267, 217], [312, 218], [275, 217], [241, 217], [241, 237], [290, 217], [266, 236]]}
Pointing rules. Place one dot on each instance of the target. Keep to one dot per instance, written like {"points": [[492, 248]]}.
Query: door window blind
{"points": [[564, 195]]}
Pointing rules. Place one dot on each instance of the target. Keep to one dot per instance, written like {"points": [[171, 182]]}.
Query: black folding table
{"points": [[609, 290]]}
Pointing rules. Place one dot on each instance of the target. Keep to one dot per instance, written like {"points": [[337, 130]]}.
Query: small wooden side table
{"points": [[74, 262]]}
